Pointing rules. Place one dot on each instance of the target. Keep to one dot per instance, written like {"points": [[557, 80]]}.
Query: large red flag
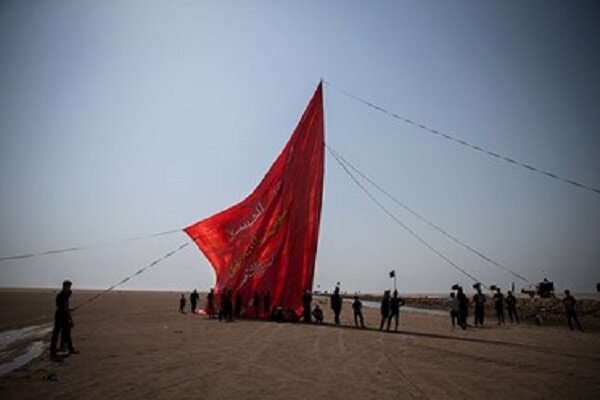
{"points": [[268, 242]]}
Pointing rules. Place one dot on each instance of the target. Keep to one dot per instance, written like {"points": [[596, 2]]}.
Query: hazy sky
{"points": [[122, 118]]}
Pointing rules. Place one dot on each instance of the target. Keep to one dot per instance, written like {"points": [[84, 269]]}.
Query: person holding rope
{"points": [[63, 322]]}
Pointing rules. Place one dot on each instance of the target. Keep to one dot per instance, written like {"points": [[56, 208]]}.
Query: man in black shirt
{"points": [[479, 301], [63, 321], [395, 304], [385, 308], [571, 310], [194, 297], [182, 304], [336, 304], [499, 305], [306, 305], [511, 307], [211, 303], [358, 315], [463, 308]]}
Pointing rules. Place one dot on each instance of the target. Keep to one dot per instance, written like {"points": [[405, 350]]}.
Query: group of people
{"points": [[194, 298], [459, 307], [390, 310], [231, 307]]}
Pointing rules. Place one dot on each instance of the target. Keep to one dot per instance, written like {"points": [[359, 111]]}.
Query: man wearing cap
{"points": [[62, 321]]}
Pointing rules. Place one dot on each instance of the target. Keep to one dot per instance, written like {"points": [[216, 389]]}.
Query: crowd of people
{"points": [[460, 304], [231, 307]]}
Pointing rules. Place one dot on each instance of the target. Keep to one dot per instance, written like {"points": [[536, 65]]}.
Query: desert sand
{"points": [[135, 345]]}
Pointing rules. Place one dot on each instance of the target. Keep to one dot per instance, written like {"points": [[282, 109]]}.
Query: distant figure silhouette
{"points": [[395, 304], [290, 316], [453, 309], [463, 308], [63, 322], [511, 307], [336, 304], [182, 304], [306, 304], [571, 310], [226, 309], [238, 304], [267, 304], [256, 304], [210, 298], [499, 305], [194, 296], [479, 301], [317, 314], [385, 308], [358, 315]]}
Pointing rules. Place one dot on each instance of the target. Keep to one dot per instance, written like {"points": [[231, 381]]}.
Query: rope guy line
{"points": [[129, 277], [464, 143], [395, 219], [78, 248], [431, 224]]}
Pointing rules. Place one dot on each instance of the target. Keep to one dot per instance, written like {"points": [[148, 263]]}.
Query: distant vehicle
{"points": [[544, 289]]}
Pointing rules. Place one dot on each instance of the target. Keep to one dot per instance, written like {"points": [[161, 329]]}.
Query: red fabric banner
{"points": [[268, 242]]}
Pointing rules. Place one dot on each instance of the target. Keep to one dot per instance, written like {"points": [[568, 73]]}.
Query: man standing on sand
{"points": [[336, 304], [453, 309], [499, 305], [511, 306], [479, 301], [63, 322], [571, 309], [211, 303], [463, 308], [385, 308], [194, 297], [358, 315], [306, 305], [182, 304], [395, 304]]}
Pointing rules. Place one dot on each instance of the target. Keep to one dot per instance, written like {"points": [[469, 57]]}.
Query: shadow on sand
{"points": [[439, 336]]}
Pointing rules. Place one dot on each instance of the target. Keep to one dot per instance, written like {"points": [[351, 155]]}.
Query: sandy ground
{"points": [[136, 345]]}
